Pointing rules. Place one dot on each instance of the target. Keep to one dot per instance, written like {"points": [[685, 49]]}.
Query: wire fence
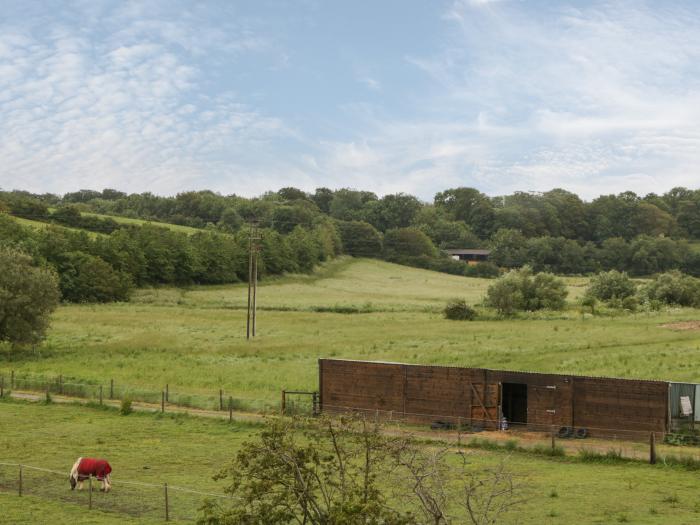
{"points": [[168, 396], [594, 444], [137, 499]]}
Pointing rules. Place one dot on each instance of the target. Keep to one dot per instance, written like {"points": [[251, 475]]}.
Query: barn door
{"points": [[485, 404], [542, 412]]}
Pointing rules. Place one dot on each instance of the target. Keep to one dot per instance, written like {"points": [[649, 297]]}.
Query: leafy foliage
{"points": [[520, 290], [324, 471], [28, 295], [612, 285], [673, 288]]}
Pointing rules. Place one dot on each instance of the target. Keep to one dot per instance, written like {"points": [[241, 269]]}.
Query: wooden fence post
{"points": [[554, 440], [652, 449], [111, 388], [100, 394], [20, 480], [230, 409], [167, 509], [48, 395], [284, 401], [90, 492], [162, 401], [221, 399], [167, 393]]}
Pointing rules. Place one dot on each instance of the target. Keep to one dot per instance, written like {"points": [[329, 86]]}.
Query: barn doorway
{"points": [[514, 403]]}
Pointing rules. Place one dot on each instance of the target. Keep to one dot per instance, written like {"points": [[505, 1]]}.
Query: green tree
{"points": [[28, 295], [317, 472], [360, 239], [508, 248], [84, 278], [407, 242]]}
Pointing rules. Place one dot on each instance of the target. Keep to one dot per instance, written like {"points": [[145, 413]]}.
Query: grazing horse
{"points": [[83, 468]]}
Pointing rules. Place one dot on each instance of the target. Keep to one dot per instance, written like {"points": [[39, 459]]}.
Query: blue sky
{"points": [[385, 95]]}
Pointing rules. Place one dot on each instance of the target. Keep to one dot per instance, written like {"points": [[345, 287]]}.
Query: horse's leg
{"points": [[108, 483]]}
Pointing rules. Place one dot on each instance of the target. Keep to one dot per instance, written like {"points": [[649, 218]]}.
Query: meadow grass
{"points": [[140, 222], [194, 339], [187, 451]]}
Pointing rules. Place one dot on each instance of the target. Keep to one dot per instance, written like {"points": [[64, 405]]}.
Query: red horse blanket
{"points": [[93, 467]]}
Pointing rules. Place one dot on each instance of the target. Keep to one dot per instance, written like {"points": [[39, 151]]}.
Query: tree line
{"points": [[101, 268], [555, 231]]}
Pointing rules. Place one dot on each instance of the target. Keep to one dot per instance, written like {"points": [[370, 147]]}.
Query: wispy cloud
{"points": [[502, 95]]}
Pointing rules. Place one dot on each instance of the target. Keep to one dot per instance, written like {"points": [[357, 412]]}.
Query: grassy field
{"points": [[140, 222], [185, 451], [39, 225], [195, 339]]}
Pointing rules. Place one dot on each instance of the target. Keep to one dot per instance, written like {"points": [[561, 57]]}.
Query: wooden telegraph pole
{"points": [[253, 250]]}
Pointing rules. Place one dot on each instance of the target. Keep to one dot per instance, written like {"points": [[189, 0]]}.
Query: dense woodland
{"points": [[554, 231]]}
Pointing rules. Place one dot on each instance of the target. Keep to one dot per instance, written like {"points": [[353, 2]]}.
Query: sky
{"points": [[390, 96]]}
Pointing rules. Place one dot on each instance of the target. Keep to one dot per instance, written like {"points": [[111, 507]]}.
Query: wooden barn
{"points": [[481, 398]]}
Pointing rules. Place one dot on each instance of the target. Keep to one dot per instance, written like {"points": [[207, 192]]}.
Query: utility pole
{"points": [[253, 249]]}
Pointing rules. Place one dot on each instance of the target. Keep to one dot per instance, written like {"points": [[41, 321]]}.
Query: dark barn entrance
{"points": [[514, 403]]}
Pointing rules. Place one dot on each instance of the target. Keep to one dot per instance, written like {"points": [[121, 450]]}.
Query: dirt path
{"points": [[572, 447]]}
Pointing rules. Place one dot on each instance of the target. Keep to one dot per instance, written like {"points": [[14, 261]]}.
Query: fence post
{"points": [[167, 509], [652, 449], [48, 395], [20, 480], [167, 393], [90, 492], [284, 401], [221, 399], [100, 394], [162, 401], [111, 388], [2, 386], [554, 440], [230, 409]]}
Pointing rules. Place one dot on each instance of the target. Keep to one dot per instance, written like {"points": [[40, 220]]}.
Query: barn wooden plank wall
{"points": [[604, 406]]}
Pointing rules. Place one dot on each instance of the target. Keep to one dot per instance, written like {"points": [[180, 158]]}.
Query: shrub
{"points": [[483, 269], [459, 310], [125, 408], [520, 290], [673, 288], [607, 286]]}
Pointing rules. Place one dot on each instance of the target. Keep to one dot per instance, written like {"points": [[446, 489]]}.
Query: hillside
{"points": [[194, 339]]}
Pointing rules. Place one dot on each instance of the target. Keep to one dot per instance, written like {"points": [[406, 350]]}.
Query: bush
{"points": [[520, 290], [459, 310], [612, 285], [125, 408], [673, 288], [484, 269]]}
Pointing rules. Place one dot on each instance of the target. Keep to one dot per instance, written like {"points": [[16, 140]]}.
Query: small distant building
{"points": [[470, 256]]}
